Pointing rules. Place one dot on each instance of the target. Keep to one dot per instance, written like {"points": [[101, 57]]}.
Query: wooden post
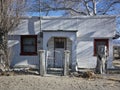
{"points": [[42, 69], [66, 62]]}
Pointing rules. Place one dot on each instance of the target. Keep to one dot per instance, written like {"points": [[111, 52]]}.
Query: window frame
{"points": [[22, 45], [103, 40]]}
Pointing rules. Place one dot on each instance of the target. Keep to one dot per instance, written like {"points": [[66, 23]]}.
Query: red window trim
{"points": [[28, 53], [97, 40]]}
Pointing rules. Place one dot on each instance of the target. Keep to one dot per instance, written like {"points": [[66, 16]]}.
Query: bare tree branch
{"points": [[94, 7], [77, 7], [87, 7], [10, 14]]}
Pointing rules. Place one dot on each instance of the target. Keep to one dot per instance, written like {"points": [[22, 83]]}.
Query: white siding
{"points": [[85, 54], [96, 26], [87, 27], [110, 58], [51, 44], [69, 47], [85, 58]]}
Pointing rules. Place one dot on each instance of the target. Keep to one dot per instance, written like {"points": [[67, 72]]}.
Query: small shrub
{"points": [[88, 74]]}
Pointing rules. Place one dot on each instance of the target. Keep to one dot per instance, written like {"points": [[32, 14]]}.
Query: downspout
{"points": [[40, 14]]}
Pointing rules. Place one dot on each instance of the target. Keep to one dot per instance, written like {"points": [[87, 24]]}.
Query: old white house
{"points": [[80, 35]]}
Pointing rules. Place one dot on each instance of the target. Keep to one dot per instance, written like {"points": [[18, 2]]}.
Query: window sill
{"points": [[28, 54], [96, 55]]}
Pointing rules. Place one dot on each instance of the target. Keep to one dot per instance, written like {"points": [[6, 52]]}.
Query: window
{"points": [[98, 42], [60, 42], [29, 45]]}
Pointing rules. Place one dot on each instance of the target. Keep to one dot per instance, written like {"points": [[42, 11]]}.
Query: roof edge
{"points": [[59, 30], [70, 17]]}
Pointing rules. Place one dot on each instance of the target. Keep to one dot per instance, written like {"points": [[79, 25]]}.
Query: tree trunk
{"points": [[4, 53]]}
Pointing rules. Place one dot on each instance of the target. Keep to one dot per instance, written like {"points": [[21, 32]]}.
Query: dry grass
{"points": [[114, 79]]}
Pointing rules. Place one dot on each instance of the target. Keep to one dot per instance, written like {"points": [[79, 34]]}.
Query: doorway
{"points": [[55, 56], [59, 47]]}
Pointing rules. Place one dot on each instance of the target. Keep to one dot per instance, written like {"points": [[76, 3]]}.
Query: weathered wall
{"points": [[88, 29]]}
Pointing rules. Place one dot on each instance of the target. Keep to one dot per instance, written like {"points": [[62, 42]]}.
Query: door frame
{"points": [[65, 45]]}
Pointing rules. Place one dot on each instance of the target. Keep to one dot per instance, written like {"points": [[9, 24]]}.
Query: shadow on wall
{"points": [[86, 37], [62, 24], [28, 26], [31, 28]]}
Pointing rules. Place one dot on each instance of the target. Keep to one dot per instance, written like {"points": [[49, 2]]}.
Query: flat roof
{"points": [[69, 17], [59, 30]]}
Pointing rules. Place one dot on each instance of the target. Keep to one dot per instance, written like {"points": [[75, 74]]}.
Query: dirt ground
{"points": [[32, 82]]}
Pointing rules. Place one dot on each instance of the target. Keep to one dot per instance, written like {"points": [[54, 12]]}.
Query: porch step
{"points": [[81, 70], [55, 71]]}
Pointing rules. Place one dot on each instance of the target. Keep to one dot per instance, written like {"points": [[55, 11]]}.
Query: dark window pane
{"points": [[59, 42], [29, 41], [29, 49], [98, 42], [28, 44]]}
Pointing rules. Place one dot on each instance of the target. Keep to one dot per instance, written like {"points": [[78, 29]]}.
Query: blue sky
{"points": [[52, 13]]}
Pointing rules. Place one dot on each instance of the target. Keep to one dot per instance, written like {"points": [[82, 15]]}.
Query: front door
{"points": [[59, 47]]}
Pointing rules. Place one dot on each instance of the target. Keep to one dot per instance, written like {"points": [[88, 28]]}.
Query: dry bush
{"points": [[88, 74], [7, 73]]}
